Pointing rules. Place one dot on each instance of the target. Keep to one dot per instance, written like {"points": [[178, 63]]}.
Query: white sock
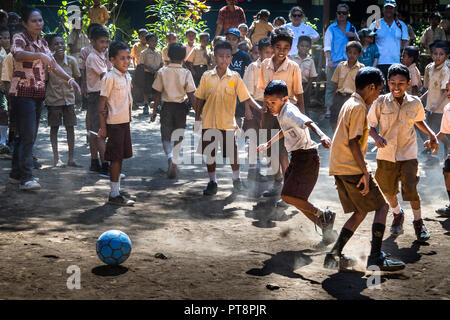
{"points": [[3, 134], [170, 155], [115, 189], [236, 175], [417, 214], [167, 146], [397, 209], [212, 176]]}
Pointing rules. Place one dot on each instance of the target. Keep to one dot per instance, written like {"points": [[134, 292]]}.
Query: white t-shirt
{"points": [[302, 30], [293, 125]]}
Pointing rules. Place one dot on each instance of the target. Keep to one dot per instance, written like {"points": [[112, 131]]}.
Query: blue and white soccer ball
{"points": [[113, 247]]}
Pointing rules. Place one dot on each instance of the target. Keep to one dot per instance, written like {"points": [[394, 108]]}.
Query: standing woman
{"points": [[300, 28], [27, 91]]}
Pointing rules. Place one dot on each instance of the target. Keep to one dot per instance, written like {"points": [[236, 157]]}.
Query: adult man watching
{"points": [[230, 16]]}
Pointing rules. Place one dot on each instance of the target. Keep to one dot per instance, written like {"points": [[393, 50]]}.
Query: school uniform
{"points": [[218, 115], [308, 69], [173, 82], [397, 161], [96, 64], [303, 170], [116, 87], [430, 35], [153, 59], [352, 122], [200, 58], [445, 128], [60, 96], [416, 79], [251, 79], [260, 30], [344, 76]]}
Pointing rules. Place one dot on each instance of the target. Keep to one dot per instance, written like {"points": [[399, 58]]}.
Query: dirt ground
{"points": [[223, 247]]}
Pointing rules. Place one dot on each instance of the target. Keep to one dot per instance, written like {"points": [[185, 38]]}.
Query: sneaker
{"points": [[344, 262], [30, 185], [444, 212], [327, 220], [59, 164], [127, 195], [238, 185], [255, 175], [120, 200], [397, 223], [95, 166], [275, 190], [281, 204], [385, 264], [422, 233], [211, 189]]}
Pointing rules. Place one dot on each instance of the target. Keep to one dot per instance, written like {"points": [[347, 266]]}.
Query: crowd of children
{"points": [[243, 84]]}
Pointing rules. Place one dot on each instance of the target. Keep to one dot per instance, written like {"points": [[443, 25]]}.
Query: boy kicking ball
{"points": [[303, 170], [115, 116], [357, 191]]}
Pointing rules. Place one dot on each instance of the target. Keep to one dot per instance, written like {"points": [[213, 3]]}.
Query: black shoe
{"points": [[127, 195], [444, 212], [95, 166], [238, 185], [397, 223], [104, 171], [381, 261], [422, 233], [211, 189], [327, 220], [331, 261], [120, 200]]}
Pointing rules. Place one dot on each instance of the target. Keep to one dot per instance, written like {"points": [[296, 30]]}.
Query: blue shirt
{"points": [[239, 62], [369, 55], [335, 41], [389, 39]]}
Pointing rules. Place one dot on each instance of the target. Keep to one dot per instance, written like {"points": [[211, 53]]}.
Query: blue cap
{"points": [[391, 3], [234, 31]]}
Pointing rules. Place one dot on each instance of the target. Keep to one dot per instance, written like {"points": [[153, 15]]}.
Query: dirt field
{"points": [[222, 247]]}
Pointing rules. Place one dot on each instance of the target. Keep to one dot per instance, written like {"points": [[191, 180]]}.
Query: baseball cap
{"points": [[366, 32], [391, 3], [234, 31]]}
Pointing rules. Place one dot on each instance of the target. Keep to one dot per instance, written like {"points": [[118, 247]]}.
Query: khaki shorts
{"points": [[58, 115], [351, 198], [389, 174]]}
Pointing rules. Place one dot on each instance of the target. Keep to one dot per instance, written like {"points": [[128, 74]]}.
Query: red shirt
{"points": [[231, 19], [28, 76]]}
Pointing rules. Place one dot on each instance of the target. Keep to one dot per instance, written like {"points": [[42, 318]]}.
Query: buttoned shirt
{"points": [[151, 58], [95, 66], [59, 91], [416, 79], [445, 123], [435, 80], [116, 87], [220, 96], [136, 52], [306, 65], [199, 56], [345, 77], [231, 19], [396, 125], [388, 40], [352, 123], [251, 80], [174, 82], [430, 35], [289, 72], [260, 30]]}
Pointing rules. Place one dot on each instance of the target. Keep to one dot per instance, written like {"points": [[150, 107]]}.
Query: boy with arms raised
{"points": [[115, 116], [396, 114], [357, 190], [303, 171], [217, 93]]}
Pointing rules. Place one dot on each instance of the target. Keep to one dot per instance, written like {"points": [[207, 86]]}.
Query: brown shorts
{"points": [[92, 111], [351, 198], [271, 126], [118, 146], [212, 138], [389, 174], [57, 115], [302, 174]]}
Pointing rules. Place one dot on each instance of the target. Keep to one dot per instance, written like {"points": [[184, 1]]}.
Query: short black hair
{"points": [[222, 45], [100, 32], [281, 34], [400, 69], [354, 44], [115, 47], [176, 51], [442, 44], [27, 11], [263, 43], [204, 35], [368, 75], [412, 52], [242, 44], [50, 37], [4, 29], [141, 31], [304, 38], [150, 35], [276, 87], [91, 27]]}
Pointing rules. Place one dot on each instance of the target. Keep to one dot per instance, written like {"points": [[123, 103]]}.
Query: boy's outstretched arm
{"points": [[324, 139], [252, 103], [433, 142], [103, 111], [267, 145]]}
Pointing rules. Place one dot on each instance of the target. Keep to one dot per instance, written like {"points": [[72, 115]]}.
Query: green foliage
{"points": [[175, 16]]}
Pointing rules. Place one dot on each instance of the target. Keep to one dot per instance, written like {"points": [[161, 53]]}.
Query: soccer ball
{"points": [[113, 247]]}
